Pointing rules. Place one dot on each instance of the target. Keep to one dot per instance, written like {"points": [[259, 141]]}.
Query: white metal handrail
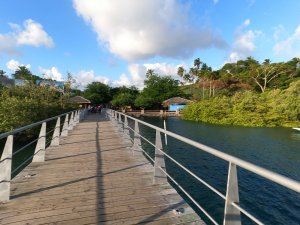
{"points": [[231, 199], [71, 119], [275, 177], [18, 130]]}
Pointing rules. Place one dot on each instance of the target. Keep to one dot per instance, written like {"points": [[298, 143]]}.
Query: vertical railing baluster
{"points": [[126, 131], [159, 162], [137, 145], [77, 116], [40, 149], [64, 132], [75, 121], [232, 216], [5, 169], [71, 122], [56, 133], [114, 121], [120, 125]]}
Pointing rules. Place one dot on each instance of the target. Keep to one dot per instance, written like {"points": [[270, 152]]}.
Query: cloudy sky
{"points": [[116, 41]]}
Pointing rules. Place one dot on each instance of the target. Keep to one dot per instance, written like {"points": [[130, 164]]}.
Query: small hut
{"points": [[175, 103], [83, 102]]}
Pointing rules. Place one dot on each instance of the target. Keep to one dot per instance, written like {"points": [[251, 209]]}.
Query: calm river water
{"points": [[277, 149]]}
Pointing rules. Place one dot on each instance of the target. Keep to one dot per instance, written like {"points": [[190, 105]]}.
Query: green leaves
{"points": [[23, 105], [98, 93], [274, 108], [159, 89]]}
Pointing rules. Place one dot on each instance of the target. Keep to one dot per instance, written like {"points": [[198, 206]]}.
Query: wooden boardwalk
{"points": [[93, 178]]}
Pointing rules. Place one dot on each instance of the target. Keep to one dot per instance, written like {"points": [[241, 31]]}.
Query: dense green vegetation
{"points": [[273, 108], [245, 93], [157, 89], [29, 103]]}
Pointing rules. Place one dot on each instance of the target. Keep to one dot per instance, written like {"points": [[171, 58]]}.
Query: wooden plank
{"points": [[93, 178]]}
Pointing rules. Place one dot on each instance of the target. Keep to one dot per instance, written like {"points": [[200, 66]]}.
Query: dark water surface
{"points": [[276, 149]]}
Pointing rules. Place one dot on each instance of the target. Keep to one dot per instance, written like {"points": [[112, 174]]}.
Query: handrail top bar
{"points": [[275, 177], [18, 130]]}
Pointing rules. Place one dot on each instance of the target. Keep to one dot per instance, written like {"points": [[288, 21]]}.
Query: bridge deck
{"points": [[92, 178]]}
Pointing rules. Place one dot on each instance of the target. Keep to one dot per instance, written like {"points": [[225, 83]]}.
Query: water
{"points": [[276, 149]]}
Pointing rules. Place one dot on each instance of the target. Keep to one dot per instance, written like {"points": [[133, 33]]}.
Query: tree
{"points": [[204, 72], [143, 101], [2, 73], [123, 89], [149, 73], [157, 89], [265, 73], [69, 84], [267, 62], [122, 100], [181, 72], [97, 93], [23, 73], [197, 63]]}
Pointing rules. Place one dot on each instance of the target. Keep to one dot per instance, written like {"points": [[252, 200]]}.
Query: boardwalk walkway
{"points": [[93, 178]]}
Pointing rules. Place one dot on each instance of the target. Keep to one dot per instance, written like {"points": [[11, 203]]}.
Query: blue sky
{"points": [[116, 41]]}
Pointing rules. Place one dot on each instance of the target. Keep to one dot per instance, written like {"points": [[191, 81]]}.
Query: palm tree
{"points": [[2, 73], [149, 73], [197, 63], [267, 62], [181, 72]]}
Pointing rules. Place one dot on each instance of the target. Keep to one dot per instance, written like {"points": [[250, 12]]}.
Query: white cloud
{"points": [[51, 73], [136, 75], [246, 22], [138, 72], [14, 65], [278, 31], [290, 46], [84, 78], [145, 29], [123, 81], [32, 34], [244, 42]]}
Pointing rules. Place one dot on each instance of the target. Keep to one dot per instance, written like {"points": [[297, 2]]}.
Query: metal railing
{"points": [[232, 212], [71, 119]]}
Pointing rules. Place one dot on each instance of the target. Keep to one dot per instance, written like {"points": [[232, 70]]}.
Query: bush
{"points": [[269, 109]]}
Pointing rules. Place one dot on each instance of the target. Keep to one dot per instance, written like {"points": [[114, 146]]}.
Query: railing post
{"points": [[56, 133], [80, 117], [71, 122], [114, 120], [5, 169], [120, 125], [159, 163], [40, 149], [137, 145], [77, 116], [113, 114], [126, 131], [232, 216], [64, 132], [75, 121]]}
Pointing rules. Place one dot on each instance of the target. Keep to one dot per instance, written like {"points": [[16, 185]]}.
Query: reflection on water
{"points": [[295, 135], [277, 149]]}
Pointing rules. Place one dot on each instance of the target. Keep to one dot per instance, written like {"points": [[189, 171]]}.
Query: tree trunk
{"points": [[210, 88], [203, 88]]}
